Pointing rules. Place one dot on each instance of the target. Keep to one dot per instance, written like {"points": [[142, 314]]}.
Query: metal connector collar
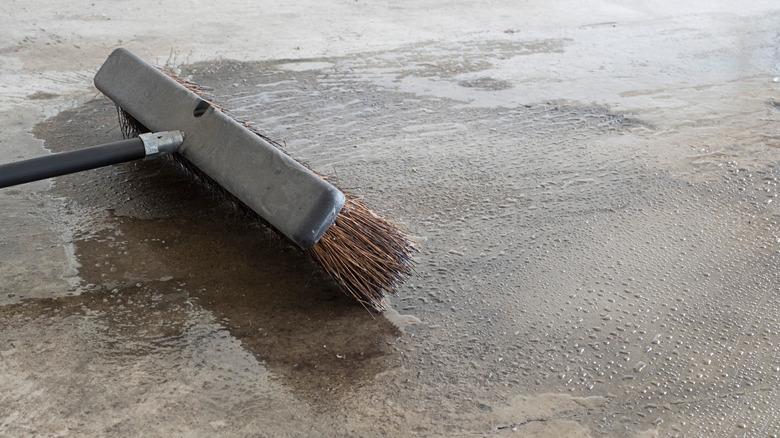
{"points": [[158, 144]]}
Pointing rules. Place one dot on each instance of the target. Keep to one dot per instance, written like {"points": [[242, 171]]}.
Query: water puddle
{"points": [[158, 248]]}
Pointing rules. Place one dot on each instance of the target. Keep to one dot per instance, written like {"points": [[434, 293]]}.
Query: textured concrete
{"points": [[593, 187]]}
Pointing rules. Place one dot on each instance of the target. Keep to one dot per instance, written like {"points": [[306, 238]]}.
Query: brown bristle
{"points": [[368, 256]]}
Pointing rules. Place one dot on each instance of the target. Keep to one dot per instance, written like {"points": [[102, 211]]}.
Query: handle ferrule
{"points": [[158, 144]]}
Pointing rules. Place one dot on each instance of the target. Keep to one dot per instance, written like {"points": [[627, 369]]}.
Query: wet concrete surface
{"points": [[598, 235]]}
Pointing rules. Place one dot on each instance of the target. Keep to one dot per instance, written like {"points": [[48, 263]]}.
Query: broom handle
{"points": [[146, 146]]}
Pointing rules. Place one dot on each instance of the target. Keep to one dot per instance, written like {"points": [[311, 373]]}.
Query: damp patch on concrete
{"points": [[589, 266]]}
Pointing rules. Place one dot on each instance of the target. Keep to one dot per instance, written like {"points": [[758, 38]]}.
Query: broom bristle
{"points": [[368, 256]]}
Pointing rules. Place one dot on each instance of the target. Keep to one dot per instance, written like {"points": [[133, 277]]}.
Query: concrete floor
{"points": [[593, 187]]}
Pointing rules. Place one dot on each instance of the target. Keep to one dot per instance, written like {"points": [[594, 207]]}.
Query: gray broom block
{"points": [[294, 200]]}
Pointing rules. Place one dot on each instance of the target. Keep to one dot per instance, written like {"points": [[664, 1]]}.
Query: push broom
{"points": [[367, 256]]}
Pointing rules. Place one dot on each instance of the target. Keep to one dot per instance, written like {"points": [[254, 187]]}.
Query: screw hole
{"points": [[201, 108]]}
